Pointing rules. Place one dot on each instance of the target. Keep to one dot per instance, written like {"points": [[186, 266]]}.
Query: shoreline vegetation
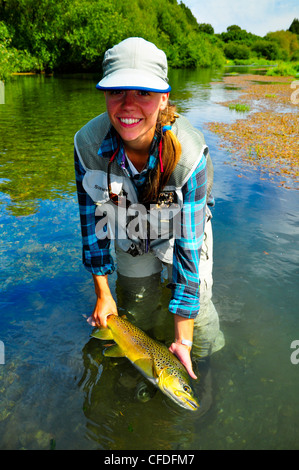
{"points": [[267, 138], [70, 36]]}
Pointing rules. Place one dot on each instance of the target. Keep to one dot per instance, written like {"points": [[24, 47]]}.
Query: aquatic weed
{"points": [[268, 138], [239, 107]]}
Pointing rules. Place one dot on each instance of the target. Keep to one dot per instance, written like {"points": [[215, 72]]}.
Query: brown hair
{"points": [[171, 152]]}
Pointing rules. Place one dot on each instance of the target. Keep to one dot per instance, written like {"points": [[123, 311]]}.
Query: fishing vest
{"points": [[135, 228]]}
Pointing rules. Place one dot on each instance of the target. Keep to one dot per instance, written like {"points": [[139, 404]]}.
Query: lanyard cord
{"points": [[159, 152], [116, 151], [160, 156]]}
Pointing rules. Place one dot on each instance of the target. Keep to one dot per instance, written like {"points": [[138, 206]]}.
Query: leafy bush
{"points": [[11, 59], [266, 48], [284, 69], [236, 51], [295, 56]]}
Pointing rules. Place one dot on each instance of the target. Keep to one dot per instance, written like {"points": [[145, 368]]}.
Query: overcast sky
{"points": [[256, 16]]}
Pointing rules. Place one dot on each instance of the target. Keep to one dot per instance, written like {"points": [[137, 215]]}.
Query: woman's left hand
{"points": [[182, 352]]}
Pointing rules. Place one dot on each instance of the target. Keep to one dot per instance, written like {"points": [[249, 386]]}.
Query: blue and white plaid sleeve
{"points": [[96, 253], [186, 257]]}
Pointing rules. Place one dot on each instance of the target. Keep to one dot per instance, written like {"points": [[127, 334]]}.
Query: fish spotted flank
{"points": [[151, 358]]}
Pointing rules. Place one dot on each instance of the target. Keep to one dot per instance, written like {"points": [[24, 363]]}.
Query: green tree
{"points": [[206, 28], [267, 49], [72, 35], [233, 28], [11, 59], [294, 28], [36, 26], [89, 31], [189, 15], [236, 34], [286, 41], [236, 51]]}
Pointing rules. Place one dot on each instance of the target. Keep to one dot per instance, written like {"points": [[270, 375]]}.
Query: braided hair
{"points": [[170, 155]]}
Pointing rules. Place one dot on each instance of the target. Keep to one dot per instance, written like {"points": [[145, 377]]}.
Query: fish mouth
{"points": [[178, 390], [183, 400], [193, 404], [188, 403]]}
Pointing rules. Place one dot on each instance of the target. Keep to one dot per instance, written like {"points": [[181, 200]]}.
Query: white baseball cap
{"points": [[135, 64]]}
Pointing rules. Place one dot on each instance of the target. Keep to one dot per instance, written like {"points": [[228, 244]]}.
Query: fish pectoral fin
{"points": [[102, 333], [114, 351], [146, 365]]}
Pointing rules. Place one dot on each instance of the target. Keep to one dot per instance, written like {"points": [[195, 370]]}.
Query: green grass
{"points": [[242, 108], [284, 69]]}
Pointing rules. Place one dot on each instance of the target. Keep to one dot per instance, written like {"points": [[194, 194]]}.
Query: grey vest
{"points": [[134, 227]]}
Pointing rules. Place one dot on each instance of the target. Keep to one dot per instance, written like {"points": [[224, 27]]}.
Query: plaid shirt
{"points": [[185, 278]]}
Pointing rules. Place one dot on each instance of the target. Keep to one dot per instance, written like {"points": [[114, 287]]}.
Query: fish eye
{"points": [[186, 388]]}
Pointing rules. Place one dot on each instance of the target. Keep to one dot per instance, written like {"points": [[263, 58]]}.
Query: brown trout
{"points": [[151, 358]]}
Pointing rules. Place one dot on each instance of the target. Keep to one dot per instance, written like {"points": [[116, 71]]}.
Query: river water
{"points": [[57, 391]]}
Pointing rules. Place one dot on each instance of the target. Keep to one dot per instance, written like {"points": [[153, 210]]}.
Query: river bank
{"points": [[267, 136]]}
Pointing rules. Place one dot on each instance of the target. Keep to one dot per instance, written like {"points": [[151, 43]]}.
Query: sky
{"points": [[256, 16]]}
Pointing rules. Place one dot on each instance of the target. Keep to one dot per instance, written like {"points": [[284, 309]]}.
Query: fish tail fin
{"points": [[102, 333]]}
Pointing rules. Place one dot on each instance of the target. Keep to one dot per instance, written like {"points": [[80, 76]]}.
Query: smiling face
{"points": [[133, 114]]}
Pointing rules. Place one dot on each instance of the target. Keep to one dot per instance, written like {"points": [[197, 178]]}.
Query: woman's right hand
{"points": [[105, 306]]}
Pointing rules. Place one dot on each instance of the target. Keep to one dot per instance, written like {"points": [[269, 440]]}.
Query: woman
{"points": [[144, 176]]}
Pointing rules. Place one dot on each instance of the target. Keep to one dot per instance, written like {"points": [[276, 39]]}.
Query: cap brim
{"points": [[130, 79]]}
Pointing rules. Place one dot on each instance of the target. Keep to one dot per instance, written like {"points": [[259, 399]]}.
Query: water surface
{"points": [[57, 390]]}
